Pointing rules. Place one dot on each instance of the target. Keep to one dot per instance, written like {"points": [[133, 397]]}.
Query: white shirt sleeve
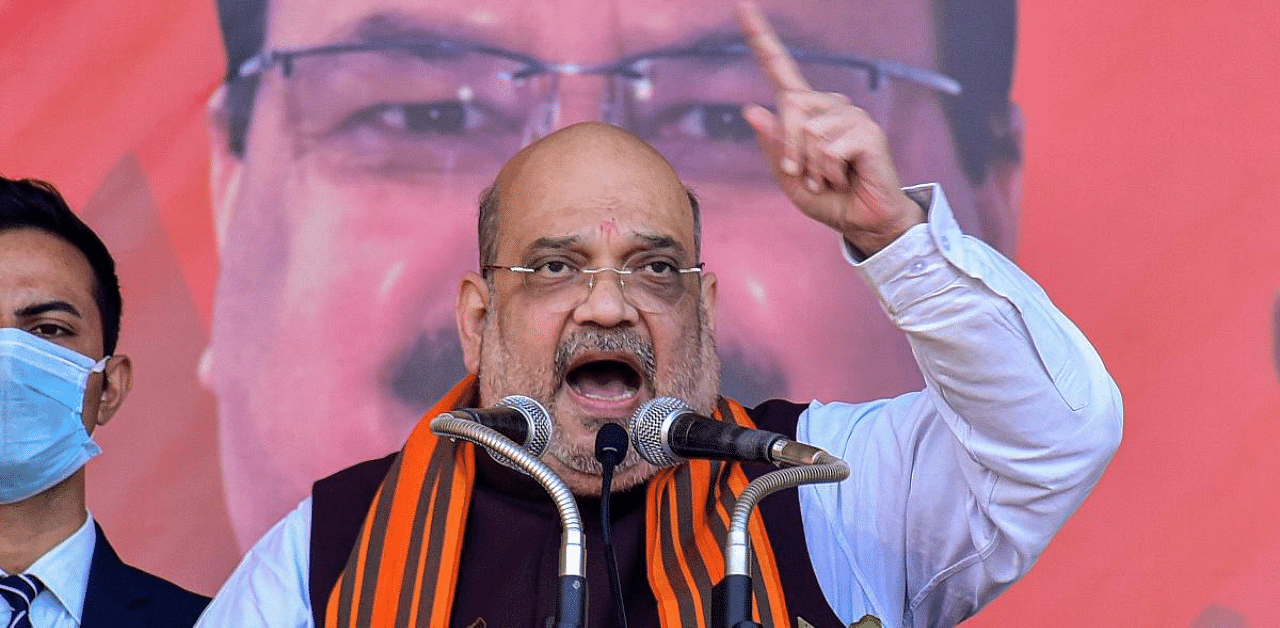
{"points": [[270, 586], [954, 491]]}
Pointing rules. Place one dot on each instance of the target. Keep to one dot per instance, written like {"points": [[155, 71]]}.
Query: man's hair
{"points": [[487, 223], [34, 204], [975, 45]]}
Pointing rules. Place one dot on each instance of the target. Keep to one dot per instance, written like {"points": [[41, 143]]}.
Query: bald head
{"points": [[589, 162], [584, 147]]}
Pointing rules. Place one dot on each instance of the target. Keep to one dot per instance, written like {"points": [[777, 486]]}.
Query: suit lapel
{"points": [[113, 590]]}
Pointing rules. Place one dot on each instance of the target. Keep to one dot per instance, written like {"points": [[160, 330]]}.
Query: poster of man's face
{"points": [[352, 139]]}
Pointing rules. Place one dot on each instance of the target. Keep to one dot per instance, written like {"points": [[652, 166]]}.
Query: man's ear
{"points": [[999, 197], [472, 311], [117, 381], [710, 300], [225, 167]]}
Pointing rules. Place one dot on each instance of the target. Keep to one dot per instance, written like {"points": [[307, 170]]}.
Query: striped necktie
{"points": [[19, 591]]}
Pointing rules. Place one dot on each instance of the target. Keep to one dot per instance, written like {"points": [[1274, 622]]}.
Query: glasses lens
{"points": [[651, 287], [405, 111], [690, 108], [656, 285]]}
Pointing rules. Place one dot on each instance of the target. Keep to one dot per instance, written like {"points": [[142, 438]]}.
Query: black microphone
{"points": [[666, 431], [611, 444], [517, 417], [611, 449]]}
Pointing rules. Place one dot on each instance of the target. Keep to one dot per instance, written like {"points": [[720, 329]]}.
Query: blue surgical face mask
{"points": [[42, 435]]}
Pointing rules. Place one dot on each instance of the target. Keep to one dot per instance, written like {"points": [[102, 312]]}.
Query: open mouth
{"points": [[604, 380]]}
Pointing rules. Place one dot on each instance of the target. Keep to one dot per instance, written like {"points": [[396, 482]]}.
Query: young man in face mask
{"points": [[60, 379]]}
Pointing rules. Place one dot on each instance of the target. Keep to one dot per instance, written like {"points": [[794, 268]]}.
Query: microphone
{"points": [[517, 417], [611, 444], [611, 449], [666, 431]]}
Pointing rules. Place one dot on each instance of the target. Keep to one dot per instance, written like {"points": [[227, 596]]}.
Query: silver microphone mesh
{"points": [[539, 421], [649, 427]]}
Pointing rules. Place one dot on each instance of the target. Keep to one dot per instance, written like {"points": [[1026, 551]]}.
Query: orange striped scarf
{"points": [[403, 566]]}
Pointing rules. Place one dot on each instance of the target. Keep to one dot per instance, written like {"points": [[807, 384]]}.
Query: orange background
{"points": [[1151, 214]]}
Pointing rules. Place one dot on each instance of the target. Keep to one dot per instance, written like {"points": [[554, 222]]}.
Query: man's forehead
{"points": [[586, 224], [591, 32], [37, 267]]}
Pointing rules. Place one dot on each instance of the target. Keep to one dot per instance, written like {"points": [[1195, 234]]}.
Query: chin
{"points": [[583, 476], [583, 485], [633, 476]]}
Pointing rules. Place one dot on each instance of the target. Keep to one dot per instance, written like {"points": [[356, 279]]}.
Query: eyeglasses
{"points": [[417, 105], [652, 286]]}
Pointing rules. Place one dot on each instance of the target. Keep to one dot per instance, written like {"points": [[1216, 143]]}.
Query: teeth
{"points": [[602, 393], [598, 397]]}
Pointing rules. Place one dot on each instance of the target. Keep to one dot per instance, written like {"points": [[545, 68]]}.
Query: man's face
{"points": [[46, 289], [591, 351], [345, 225]]}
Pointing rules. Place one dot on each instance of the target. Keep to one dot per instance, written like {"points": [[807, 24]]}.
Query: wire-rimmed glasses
{"points": [[650, 285], [420, 104]]}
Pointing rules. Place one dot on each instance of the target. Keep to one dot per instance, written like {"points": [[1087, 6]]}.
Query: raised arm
{"points": [[829, 156], [955, 490]]}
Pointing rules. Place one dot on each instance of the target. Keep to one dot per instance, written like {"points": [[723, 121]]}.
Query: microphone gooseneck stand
{"points": [[531, 431], [731, 597], [666, 431], [571, 604]]}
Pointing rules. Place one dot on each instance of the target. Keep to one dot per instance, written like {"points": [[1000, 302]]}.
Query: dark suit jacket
{"points": [[120, 596]]}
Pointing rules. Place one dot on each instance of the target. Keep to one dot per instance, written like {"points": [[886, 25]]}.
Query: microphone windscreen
{"points": [[648, 426], [611, 444], [539, 421]]}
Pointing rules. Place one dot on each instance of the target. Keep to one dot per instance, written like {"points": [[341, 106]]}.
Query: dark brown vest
{"points": [[510, 556]]}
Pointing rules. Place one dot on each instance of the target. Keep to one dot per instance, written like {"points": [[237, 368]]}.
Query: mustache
{"points": [[612, 341], [423, 372]]}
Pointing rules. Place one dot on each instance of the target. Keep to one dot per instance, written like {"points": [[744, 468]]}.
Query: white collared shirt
{"points": [[64, 570]]}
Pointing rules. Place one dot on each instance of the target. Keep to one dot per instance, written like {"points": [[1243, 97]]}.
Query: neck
{"points": [[33, 526]]}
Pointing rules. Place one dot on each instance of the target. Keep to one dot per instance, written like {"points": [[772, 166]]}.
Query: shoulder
{"points": [[180, 605], [121, 594], [777, 415], [346, 495], [339, 504], [362, 477], [340, 501]]}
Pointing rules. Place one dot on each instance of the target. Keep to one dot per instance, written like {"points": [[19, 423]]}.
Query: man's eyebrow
{"points": [[653, 242], [393, 27], [37, 309], [549, 242], [728, 39]]}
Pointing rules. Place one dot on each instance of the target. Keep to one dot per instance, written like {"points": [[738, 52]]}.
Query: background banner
{"points": [[290, 228]]}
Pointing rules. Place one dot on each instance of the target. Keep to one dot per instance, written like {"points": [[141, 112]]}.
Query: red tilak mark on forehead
{"points": [[609, 226]]}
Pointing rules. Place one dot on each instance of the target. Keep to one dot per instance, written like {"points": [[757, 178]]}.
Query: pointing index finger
{"points": [[772, 55]]}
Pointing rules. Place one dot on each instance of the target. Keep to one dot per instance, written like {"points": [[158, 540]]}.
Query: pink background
{"points": [[1151, 214]]}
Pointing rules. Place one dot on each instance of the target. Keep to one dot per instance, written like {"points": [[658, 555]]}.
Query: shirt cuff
{"points": [[918, 263]]}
